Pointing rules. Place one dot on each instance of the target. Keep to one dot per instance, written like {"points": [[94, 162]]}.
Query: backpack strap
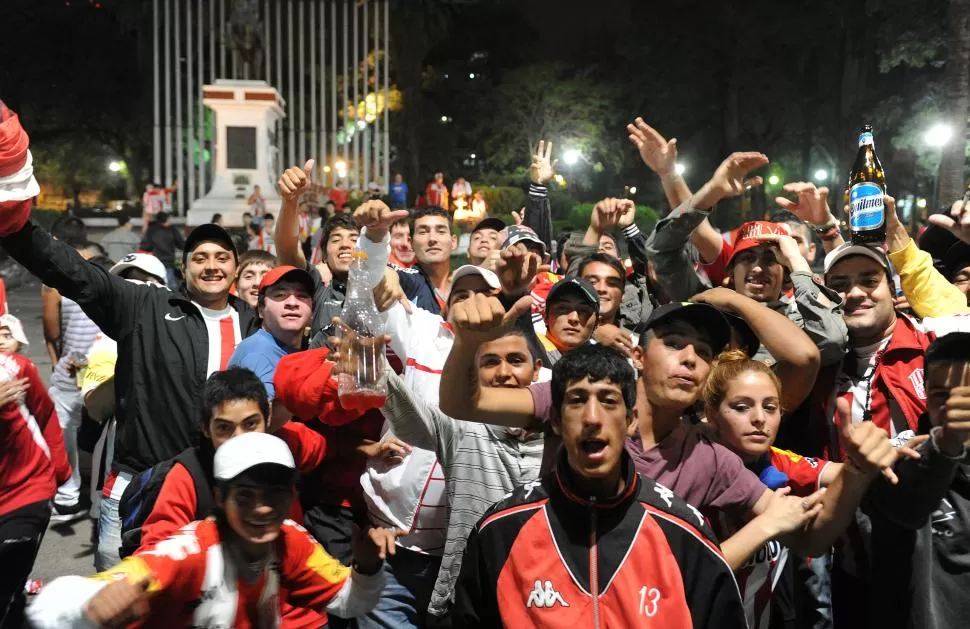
{"points": [[204, 499]]}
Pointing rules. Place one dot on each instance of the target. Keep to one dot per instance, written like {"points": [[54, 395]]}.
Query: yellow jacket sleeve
{"points": [[928, 292]]}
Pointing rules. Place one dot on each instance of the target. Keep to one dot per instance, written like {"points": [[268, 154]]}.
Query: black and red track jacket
{"points": [[545, 557]]}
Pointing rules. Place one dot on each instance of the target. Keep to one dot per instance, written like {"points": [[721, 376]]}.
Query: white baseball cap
{"points": [[12, 323], [249, 450], [470, 269], [848, 249], [142, 261]]}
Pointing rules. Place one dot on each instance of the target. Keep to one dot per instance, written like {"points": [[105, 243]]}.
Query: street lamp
{"points": [[774, 180], [570, 157], [341, 167], [679, 168], [821, 175], [936, 137], [115, 167]]}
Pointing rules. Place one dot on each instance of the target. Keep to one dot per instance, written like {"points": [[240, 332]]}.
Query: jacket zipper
{"points": [[593, 566]]}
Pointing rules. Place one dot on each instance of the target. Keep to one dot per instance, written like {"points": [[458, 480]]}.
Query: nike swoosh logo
{"points": [[169, 317]]}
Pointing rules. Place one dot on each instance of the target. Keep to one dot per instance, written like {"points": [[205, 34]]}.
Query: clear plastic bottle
{"points": [[364, 381]]}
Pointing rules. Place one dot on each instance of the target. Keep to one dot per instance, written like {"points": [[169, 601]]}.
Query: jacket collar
{"points": [[562, 484], [905, 335]]}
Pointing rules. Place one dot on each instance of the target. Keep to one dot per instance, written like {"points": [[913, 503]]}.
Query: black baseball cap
{"points": [[209, 232], [490, 223], [750, 342], [957, 257], [702, 316], [573, 285]]}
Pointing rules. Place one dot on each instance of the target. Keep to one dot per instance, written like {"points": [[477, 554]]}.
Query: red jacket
{"points": [[33, 461], [304, 385], [898, 390]]}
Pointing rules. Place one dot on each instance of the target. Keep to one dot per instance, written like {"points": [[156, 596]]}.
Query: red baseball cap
{"points": [[747, 235], [288, 273]]}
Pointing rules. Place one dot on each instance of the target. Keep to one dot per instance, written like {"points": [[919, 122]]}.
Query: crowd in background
{"points": [[602, 427]]}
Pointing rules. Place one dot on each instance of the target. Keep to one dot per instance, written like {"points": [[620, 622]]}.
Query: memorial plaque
{"points": [[241, 147]]}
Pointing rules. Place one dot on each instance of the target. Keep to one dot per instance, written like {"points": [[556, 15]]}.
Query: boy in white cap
{"points": [[228, 571]]}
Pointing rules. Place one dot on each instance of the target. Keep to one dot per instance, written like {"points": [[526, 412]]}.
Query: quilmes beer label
{"points": [[866, 209], [865, 138]]}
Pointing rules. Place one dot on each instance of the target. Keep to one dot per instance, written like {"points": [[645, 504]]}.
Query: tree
{"points": [[956, 93], [553, 102]]}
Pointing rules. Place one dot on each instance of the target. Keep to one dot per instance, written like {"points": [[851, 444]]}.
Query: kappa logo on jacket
{"points": [[547, 596]]}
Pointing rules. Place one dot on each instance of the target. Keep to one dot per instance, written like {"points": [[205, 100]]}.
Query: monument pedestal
{"points": [[245, 151]]}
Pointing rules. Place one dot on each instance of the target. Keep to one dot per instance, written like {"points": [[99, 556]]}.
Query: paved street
{"points": [[67, 549]]}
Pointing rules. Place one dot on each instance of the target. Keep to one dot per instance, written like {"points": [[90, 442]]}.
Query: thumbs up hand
{"points": [[295, 181]]}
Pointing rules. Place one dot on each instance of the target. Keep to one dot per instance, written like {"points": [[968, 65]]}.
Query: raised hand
{"points": [[867, 447], [956, 423], [519, 217], [628, 213], [811, 204], [516, 267], [295, 181], [119, 603], [957, 222], [377, 217], [787, 251], [482, 318], [730, 179], [659, 154], [609, 212], [543, 167]]}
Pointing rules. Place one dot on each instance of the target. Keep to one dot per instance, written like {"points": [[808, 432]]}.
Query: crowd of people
{"points": [[711, 432]]}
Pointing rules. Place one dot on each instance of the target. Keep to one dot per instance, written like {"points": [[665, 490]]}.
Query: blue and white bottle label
{"points": [[866, 209], [866, 138]]}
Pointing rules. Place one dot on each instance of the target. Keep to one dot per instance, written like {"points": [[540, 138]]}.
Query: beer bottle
{"points": [[867, 185]]}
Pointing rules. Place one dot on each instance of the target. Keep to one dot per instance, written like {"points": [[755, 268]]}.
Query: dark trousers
{"points": [[333, 527], [21, 532]]}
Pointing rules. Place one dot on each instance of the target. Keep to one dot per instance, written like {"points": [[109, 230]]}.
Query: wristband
{"points": [[828, 233]]}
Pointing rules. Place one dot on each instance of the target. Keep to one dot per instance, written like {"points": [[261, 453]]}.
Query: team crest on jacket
{"points": [[916, 377], [547, 596]]}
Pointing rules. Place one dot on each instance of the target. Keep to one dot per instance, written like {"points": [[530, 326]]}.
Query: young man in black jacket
{"points": [[592, 543], [168, 342], [920, 565]]}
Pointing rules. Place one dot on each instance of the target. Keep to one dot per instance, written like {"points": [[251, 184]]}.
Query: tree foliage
{"points": [[552, 102]]}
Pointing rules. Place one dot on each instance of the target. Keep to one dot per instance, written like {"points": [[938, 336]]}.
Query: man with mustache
{"points": [[757, 263]]}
